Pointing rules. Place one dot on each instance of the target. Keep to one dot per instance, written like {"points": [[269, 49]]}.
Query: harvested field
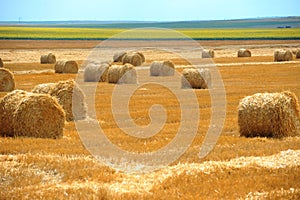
{"points": [[237, 167]]}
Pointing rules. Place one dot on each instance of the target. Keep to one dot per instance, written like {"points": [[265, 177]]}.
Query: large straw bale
{"points": [[196, 78], [9, 105], [122, 74], [39, 115], [31, 115], [96, 72], [1, 63], [269, 115], [66, 93], [282, 55], [7, 80], [244, 53], [207, 53], [165, 68], [119, 56], [67, 67], [48, 59]]}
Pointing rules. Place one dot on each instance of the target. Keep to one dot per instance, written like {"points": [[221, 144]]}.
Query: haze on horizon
{"points": [[155, 10]]}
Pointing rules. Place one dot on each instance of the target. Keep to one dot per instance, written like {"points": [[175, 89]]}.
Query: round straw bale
{"points": [[282, 55], [44, 59], [7, 80], [119, 56], [269, 115], [208, 53], [165, 68], [59, 66], [9, 105], [125, 74], [244, 53], [67, 67], [51, 58], [1, 63], [39, 115], [96, 73], [134, 58], [66, 93], [70, 67], [196, 78], [168, 68], [155, 68], [298, 54], [48, 59]]}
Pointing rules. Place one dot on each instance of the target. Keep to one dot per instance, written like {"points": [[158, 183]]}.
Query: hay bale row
{"points": [[244, 53], [7, 80], [66, 92], [282, 55], [269, 115], [48, 59], [1, 63], [208, 53], [159, 68], [96, 72], [66, 67], [122, 74], [135, 58], [31, 115], [196, 78]]}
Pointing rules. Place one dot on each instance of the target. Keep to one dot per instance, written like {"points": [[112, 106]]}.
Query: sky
{"points": [[144, 10]]}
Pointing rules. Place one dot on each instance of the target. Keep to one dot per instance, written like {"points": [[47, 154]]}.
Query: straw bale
{"points": [[40, 116], [44, 59], [9, 105], [48, 59], [119, 56], [51, 58], [136, 59], [196, 78], [244, 53], [67, 67], [70, 67], [124, 74], [7, 80], [282, 55], [96, 73], [208, 53], [66, 93], [165, 68], [269, 115], [155, 68], [59, 66]]}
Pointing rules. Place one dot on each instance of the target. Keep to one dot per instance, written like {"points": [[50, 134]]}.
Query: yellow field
{"points": [[103, 33], [237, 167]]}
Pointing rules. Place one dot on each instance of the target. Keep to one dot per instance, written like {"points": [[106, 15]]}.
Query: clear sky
{"points": [[144, 10]]}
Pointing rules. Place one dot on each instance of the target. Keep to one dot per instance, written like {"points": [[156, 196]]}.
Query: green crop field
{"points": [[10, 32]]}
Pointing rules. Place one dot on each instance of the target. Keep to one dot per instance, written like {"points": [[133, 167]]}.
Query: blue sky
{"points": [[149, 10]]}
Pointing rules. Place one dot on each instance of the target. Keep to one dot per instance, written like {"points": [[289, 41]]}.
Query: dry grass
{"points": [[63, 169]]}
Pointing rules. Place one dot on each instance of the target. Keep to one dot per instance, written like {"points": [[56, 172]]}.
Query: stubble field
{"points": [[237, 167]]}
